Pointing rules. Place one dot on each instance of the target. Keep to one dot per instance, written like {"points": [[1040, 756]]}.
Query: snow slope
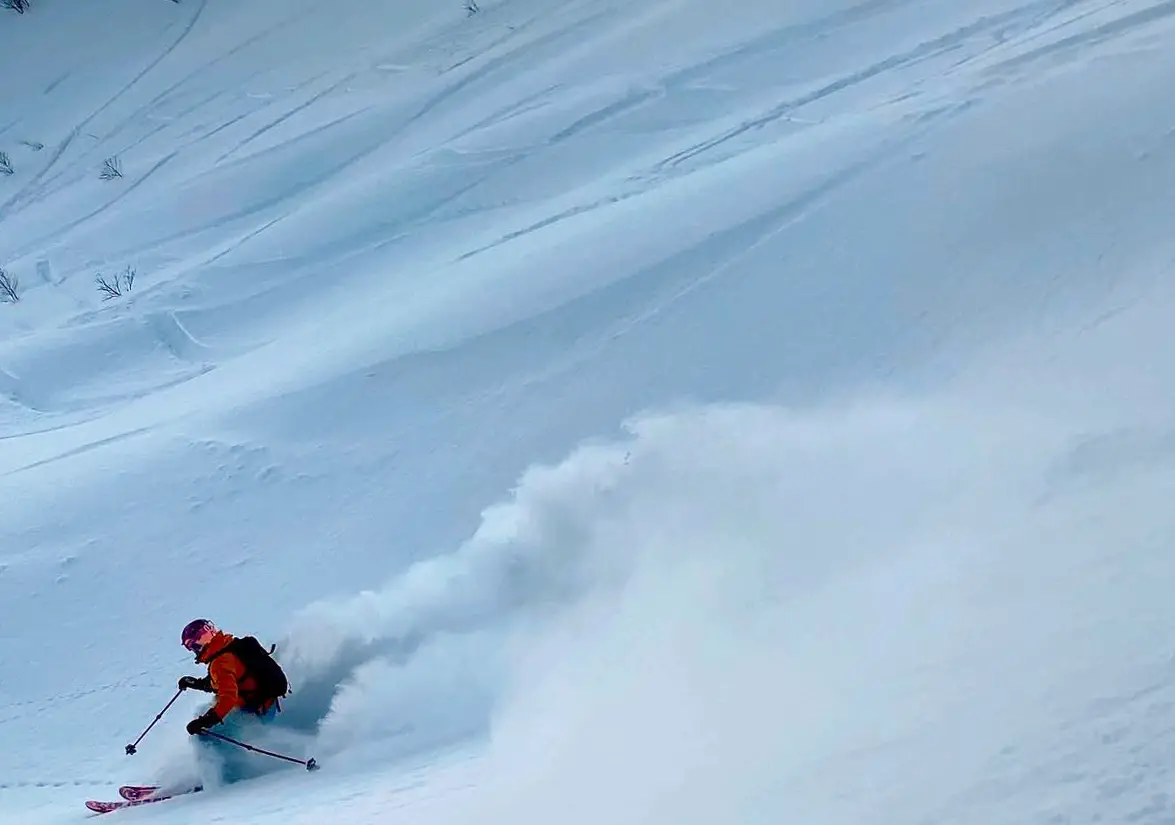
{"points": [[617, 412]]}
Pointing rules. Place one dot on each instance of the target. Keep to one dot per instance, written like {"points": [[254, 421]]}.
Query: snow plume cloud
{"points": [[895, 609], [692, 504], [724, 659], [439, 626], [755, 614], [738, 485]]}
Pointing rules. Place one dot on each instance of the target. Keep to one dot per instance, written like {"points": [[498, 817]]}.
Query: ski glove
{"points": [[203, 723], [204, 684]]}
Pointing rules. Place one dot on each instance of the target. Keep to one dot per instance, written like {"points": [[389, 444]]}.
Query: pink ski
{"points": [[135, 793], [106, 807]]}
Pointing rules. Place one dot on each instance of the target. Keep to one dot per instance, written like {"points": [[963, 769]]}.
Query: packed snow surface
{"points": [[671, 413]]}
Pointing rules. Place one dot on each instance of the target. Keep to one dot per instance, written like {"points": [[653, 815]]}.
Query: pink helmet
{"points": [[198, 633]]}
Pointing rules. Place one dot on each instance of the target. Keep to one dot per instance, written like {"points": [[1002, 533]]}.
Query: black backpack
{"points": [[261, 667]]}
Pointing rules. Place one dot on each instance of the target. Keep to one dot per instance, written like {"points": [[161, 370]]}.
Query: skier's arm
{"points": [[223, 675]]}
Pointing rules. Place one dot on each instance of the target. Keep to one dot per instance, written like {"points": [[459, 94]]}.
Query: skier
{"points": [[248, 684]]}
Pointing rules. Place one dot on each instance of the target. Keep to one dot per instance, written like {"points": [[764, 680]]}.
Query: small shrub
{"points": [[5, 164], [471, 8], [18, 6], [115, 287], [9, 287], [111, 169]]}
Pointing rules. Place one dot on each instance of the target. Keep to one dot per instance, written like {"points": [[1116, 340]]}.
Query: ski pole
{"points": [[130, 749], [311, 765]]}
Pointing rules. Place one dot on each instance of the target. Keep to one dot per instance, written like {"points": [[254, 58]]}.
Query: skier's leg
{"points": [[215, 759], [236, 763]]}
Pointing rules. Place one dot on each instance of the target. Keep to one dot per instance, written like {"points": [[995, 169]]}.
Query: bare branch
{"points": [[9, 287], [18, 6], [116, 287], [5, 164], [111, 169], [471, 8], [110, 289]]}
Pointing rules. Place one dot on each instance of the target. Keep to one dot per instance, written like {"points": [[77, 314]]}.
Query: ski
{"points": [[106, 807], [134, 793], [99, 807]]}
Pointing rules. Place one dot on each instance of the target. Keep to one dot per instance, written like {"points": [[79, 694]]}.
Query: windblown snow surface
{"points": [[677, 412]]}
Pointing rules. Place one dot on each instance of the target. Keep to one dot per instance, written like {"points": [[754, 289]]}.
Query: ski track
{"points": [[24, 191], [485, 72], [86, 121], [524, 105], [167, 52], [1099, 34], [766, 43], [85, 448], [57, 82], [633, 101], [658, 173], [1030, 17], [742, 240], [245, 238], [41, 242], [162, 97], [919, 53], [55, 428], [331, 89]]}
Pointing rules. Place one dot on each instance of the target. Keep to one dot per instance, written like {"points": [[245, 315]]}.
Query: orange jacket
{"points": [[234, 687]]}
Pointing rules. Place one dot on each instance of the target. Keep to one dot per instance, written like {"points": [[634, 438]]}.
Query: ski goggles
{"points": [[197, 643]]}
